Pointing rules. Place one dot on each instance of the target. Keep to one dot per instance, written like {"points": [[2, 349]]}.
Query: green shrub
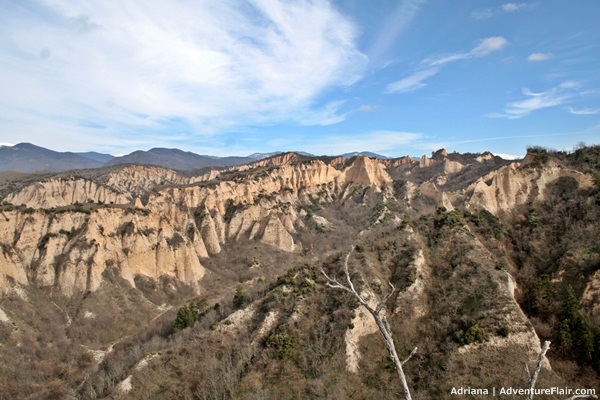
{"points": [[284, 344], [574, 334], [186, 316], [240, 298], [474, 334]]}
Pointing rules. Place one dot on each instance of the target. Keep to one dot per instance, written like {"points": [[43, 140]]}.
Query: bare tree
{"points": [[533, 378], [380, 320]]}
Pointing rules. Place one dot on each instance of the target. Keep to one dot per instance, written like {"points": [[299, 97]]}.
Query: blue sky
{"points": [[232, 78]]}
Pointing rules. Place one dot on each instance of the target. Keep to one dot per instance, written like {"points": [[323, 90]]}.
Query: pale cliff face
{"points": [[72, 251], [514, 185], [178, 228], [365, 171], [183, 220], [137, 179], [63, 192], [398, 162]]}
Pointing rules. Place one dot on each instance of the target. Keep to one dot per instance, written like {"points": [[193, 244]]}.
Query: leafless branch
{"points": [[537, 369], [385, 298], [333, 283], [583, 396], [381, 321], [412, 353]]}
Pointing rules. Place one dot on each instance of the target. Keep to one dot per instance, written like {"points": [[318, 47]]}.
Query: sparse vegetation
{"points": [[451, 269]]}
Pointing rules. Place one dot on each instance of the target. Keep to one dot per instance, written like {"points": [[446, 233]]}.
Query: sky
{"points": [[395, 77]]}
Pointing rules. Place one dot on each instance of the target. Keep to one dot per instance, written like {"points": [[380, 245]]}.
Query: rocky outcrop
{"points": [[484, 157], [452, 167], [62, 192], [513, 185], [117, 186], [399, 162], [73, 250], [365, 171], [276, 235], [139, 179], [430, 189], [275, 161], [338, 161], [426, 162], [164, 223], [179, 226], [278, 160]]}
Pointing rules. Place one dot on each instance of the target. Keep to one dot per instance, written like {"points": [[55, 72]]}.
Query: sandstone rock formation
{"points": [[426, 162], [513, 185], [61, 192], [153, 221], [181, 224]]}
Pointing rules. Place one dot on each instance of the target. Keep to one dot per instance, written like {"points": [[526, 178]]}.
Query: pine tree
{"points": [[578, 336], [240, 298], [186, 316]]}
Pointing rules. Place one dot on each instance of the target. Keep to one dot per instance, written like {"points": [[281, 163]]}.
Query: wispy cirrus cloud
{"points": [[411, 83], [393, 25], [485, 13], [583, 111], [534, 101], [512, 7], [540, 56], [366, 107], [208, 66], [431, 66], [486, 46]]}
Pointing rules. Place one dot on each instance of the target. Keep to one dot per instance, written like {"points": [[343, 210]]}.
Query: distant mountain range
{"points": [[178, 159], [364, 153], [26, 157]]}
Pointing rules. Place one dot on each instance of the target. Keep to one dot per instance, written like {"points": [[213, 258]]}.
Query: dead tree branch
{"points": [[537, 369], [381, 321], [412, 353]]}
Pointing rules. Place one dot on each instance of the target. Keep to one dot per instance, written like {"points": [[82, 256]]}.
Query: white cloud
{"points": [[528, 92], [139, 66], [411, 83], [512, 7], [485, 47], [570, 85], [431, 66], [488, 46], [326, 115], [485, 13], [521, 108], [583, 111], [539, 56], [534, 101], [367, 107]]}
